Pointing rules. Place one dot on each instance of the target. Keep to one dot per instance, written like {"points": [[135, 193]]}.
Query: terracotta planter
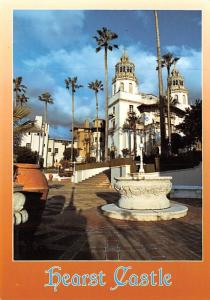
{"points": [[32, 179]]}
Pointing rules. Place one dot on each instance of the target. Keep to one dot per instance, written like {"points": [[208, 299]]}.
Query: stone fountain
{"points": [[144, 198]]}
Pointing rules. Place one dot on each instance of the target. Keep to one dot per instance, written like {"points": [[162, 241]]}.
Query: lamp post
{"points": [[141, 169]]}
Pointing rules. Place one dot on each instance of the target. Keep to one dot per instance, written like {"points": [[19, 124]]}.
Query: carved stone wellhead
{"points": [[143, 191], [144, 198]]}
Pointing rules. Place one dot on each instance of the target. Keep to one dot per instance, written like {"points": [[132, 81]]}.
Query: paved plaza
{"points": [[72, 227]]}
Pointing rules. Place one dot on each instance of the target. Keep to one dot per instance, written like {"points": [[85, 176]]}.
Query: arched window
{"points": [[123, 68], [122, 86], [176, 82], [176, 98], [130, 88], [184, 99], [120, 69]]}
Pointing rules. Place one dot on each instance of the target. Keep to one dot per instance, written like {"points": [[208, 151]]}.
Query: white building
{"points": [[50, 149], [56, 148], [126, 98]]}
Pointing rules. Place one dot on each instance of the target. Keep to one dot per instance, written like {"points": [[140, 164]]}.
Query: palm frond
{"points": [[98, 49], [21, 112]]}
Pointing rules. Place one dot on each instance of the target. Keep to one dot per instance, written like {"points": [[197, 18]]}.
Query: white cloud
{"points": [[189, 66], [52, 28], [88, 65]]}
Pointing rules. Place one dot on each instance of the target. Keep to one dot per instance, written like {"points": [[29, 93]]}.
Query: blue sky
{"points": [[50, 46]]}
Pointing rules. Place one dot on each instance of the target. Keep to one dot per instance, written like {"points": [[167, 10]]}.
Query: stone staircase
{"points": [[101, 180]]}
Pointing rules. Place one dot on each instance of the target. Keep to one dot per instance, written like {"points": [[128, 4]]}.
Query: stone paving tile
{"points": [[72, 227]]}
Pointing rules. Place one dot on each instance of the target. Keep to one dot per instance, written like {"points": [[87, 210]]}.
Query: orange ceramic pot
{"points": [[32, 179]]}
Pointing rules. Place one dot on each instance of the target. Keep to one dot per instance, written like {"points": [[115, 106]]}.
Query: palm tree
{"points": [[103, 40], [47, 99], [19, 88], [131, 125], [160, 83], [167, 61], [71, 83], [96, 86], [20, 126], [22, 99]]}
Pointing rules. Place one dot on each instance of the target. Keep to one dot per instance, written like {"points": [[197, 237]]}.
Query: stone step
{"points": [[101, 180], [92, 183], [96, 180], [92, 186]]}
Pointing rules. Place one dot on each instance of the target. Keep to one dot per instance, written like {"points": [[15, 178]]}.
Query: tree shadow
{"points": [[109, 197], [24, 233], [60, 234]]}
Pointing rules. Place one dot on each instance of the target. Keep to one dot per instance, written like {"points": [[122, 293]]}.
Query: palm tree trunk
{"points": [[160, 83], [72, 126], [169, 113], [16, 95], [134, 139], [44, 128], [106, 103], [97, 145], [45, 117]]}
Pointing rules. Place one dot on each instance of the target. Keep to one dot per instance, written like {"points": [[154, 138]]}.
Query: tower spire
{"points": [[125, 79]]}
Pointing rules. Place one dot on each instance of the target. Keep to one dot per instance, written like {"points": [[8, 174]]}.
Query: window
{"points": [[113, 110], [96, 139], [49, 149], [130, 88], [122, 86], [176, 82], [130, 108], [29, 133], [28, 145], [184, 99], [120, 69], [113, 123], [56, 150], [176, 97], [124, 69]]}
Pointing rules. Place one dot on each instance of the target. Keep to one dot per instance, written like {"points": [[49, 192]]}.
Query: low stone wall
{"points": [[81, 175], [187, 177], [186, 191], [111, 163]]}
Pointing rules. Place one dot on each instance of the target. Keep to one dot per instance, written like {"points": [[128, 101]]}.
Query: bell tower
{"points": [[179, 92], [125, 79]]}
